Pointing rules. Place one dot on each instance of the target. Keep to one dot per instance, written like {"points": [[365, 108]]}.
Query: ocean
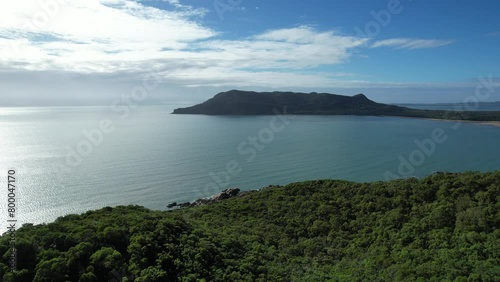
{"points": [[73, 159]]}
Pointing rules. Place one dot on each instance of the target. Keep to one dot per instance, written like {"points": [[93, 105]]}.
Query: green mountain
{"points": [[445, 227], [236, 102]]}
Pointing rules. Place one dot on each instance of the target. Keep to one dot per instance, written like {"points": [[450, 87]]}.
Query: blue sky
{"points": [[89, 51]]}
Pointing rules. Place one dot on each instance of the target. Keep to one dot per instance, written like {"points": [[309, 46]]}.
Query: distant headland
{"points": [[237, 102]]}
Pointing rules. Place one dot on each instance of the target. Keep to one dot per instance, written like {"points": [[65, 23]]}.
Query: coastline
{"points": [[487, 123], [235, 231]]}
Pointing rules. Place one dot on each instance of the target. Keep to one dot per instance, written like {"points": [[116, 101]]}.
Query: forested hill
{"points": [[236, 102], [445, 227]]}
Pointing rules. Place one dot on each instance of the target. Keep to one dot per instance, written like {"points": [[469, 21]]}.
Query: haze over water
{"points": [[153, 158]]}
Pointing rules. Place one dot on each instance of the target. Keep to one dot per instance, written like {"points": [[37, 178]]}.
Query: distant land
{"points": [[236, 102]]}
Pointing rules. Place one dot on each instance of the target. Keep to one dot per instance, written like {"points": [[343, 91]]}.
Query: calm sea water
{"points": [[153, 158]]}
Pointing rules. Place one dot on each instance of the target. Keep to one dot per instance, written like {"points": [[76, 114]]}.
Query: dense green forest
{"points": [[445, 227]]}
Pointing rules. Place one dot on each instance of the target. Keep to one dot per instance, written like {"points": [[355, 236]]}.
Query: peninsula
{"points": [[236, 102]]}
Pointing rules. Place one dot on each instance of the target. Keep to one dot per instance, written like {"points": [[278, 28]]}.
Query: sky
{"points": [[79, 52]]}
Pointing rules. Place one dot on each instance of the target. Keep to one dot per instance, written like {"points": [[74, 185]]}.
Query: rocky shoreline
{"points": [[224, 195]]}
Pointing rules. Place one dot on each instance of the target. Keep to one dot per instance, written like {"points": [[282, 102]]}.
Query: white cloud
{"points": [[109, 36], [88, 34], [409, 43], [129, 37], [294, 48]]}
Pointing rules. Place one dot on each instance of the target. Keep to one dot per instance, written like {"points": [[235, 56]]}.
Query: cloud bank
{"points": [[129, 37]]}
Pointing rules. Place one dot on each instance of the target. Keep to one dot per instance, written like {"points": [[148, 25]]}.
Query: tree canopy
{"points": [[445, 227]]}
